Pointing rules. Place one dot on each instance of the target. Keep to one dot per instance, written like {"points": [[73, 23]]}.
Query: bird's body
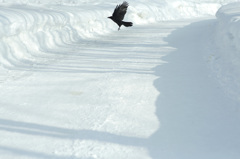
{"points": [[119, 14]]}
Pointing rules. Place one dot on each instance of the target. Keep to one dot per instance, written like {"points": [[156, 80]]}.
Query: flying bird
{"points": [[119, 14]]}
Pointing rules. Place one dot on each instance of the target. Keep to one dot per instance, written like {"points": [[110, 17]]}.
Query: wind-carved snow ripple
{"points": [[29, 35]]}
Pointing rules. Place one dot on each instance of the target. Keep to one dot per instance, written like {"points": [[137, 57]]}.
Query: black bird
{"points": [[119, 14]]}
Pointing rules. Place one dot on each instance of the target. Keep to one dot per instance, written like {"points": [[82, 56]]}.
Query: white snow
{"points": [[73, 87]]}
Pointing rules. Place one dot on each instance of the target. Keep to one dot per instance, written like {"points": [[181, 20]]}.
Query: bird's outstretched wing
{"points": [[120, 11]]}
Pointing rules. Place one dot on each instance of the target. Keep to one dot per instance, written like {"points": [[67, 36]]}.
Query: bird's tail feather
{"points": [[127, 24]]}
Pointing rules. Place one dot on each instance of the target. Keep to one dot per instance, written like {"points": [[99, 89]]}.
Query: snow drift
{"points": [[29, 28], [226, 58]]}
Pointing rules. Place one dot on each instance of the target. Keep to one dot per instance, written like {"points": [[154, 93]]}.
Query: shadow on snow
{"points": [[197, 121], [192, 123]]}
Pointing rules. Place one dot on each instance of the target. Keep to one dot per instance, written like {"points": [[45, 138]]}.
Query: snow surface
{"points": [[226, 57], [73, 87]]}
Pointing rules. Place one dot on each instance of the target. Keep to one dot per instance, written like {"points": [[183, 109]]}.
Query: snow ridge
{"points": [[31, 29]]}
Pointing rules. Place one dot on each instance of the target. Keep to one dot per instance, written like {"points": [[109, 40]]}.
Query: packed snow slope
{"points": [[73, 87]]}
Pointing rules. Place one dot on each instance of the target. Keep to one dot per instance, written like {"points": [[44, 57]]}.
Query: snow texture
{"points": [[226, 56], [73, 87]]}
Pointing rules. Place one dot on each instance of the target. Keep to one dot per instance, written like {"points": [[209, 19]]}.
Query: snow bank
{"points": [[227, 57], [29, 28], [228, 32], [29, 31]]}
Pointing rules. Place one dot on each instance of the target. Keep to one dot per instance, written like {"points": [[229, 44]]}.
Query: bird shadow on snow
{"points": [[196, 119]]}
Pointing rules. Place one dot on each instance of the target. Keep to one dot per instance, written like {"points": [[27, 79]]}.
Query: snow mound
{"points": [[28, 32], [228, 33], [227, 56]]}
